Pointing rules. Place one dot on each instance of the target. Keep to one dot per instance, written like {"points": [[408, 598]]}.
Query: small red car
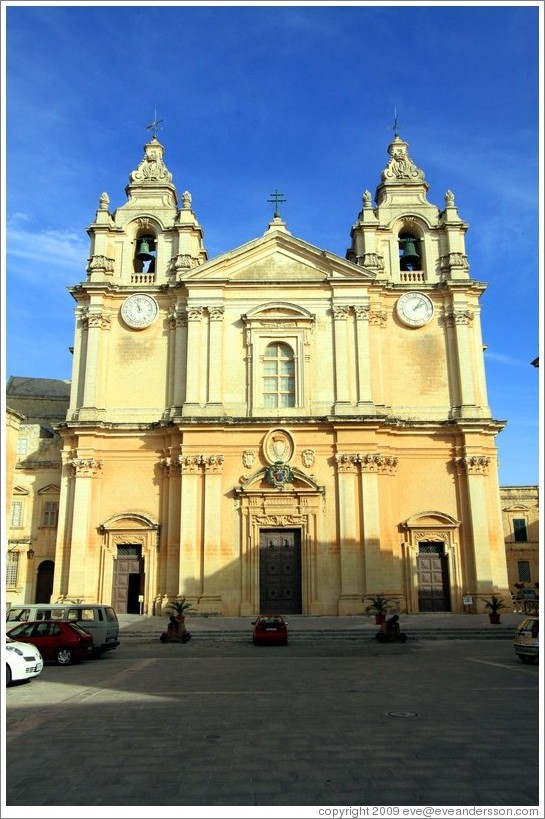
{"points": [[58, 641], [270, 628]]}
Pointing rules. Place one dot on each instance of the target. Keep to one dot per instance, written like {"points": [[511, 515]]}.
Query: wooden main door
{"points": [[128, 581], [433, 579], [280, 571]]}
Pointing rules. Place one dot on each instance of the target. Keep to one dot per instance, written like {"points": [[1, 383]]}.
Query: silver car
{"points": [[527, 640]]}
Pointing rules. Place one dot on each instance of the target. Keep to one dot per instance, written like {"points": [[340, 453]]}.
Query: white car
{"points": [[23, 661]]}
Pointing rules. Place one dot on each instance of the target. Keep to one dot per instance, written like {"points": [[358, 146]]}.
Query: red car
{"points": [[58, 641], [270, 628]]}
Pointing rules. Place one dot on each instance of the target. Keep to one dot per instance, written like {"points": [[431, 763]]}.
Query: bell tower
{"points": [[417, 255], [148, 240]]}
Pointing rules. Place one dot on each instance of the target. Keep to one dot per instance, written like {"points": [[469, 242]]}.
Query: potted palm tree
{"points": [[181, 607], [495, 604], [379, 606]]}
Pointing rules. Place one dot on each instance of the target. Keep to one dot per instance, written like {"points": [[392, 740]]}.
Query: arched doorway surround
{"points": [[132, 538], [265, 512], [432, 533]]}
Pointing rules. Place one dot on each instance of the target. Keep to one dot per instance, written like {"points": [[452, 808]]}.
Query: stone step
{"points": [[494, 633]]}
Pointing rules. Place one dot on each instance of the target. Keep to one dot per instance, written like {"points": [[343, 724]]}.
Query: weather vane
{"points": [[395, 129], [154, 126], [276, 198]]}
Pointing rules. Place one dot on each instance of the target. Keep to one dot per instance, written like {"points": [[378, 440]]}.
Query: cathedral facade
{"points": [[278, 429]]}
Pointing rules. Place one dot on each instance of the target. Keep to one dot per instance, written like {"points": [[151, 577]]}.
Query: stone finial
{"points": [[186, 200], [449, 199], [367, 200], [104, 201]]}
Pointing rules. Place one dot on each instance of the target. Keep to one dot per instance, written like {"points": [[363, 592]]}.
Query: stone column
{"points": [[475, 467], [180, 359], [96, 322], [169, 553], [363, 352], [190, 571], [193, 369], [215, 356], [350, 599], [78, 360], [460, 320], [342, 397], [374, 580], [83, 563], [62, 548], [212, 563]]}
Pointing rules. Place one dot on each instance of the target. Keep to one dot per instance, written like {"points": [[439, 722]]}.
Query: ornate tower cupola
{"points": [[148, 240], [404, 238]]}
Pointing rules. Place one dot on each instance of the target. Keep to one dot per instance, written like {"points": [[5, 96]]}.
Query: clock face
{"points": [[414, 309], [139, 311]]}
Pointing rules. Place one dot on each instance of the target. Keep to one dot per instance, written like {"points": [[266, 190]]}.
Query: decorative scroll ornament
{"points": [[152, 167], [401, 165], [278, 475]]}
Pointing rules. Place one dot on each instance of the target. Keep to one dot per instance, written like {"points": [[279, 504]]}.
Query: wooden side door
{"points": [[433, 581]]}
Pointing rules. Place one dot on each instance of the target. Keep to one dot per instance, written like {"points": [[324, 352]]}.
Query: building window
{"points": [[524, 571], [16, 514], [278, 376], [22, 446], [12, 568], [519, 530], [50, 513]]}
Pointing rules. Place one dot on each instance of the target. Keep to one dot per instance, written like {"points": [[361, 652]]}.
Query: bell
{"points": [[409, 255], [143, 251]]}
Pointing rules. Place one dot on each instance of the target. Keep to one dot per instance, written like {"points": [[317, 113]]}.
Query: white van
{"points": [[100, 621]]}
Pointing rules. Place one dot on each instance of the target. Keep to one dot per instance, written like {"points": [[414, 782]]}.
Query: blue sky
{"points": [[258, 97]]}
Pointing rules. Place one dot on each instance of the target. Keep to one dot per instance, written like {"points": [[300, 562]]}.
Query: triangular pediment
{"points": [[278, 256]]}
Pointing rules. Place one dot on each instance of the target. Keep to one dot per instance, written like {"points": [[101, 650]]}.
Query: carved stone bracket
{"points": [[362, 312], [454, 259], [454, 317], [171, 465], [100, 264], [372, 260], [195, 313], [182, 262], [192, 464], [366, 462], [85, 467], [100, 320], [378, 317], [340, 313], [474, 464]]}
